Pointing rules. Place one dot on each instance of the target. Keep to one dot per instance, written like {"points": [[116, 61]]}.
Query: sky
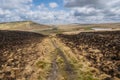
{"points": [[60, 11]]}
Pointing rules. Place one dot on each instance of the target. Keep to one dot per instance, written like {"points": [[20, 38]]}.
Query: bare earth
{"points": [[77, 53]]}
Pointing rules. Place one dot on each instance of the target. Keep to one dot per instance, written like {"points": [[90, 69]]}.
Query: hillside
{"points": [[23, 26], [33, 56], [28, 54], [101, 49], [83, 56], [76, 28], [18, 51]]}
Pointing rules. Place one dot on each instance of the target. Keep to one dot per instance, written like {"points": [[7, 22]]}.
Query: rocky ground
{"points": [[102, 49], [32, 56], [17, 54], [83, 56]]}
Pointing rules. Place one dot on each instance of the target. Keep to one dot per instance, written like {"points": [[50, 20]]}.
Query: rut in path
{"points": [[54, 70], [67, 68]]}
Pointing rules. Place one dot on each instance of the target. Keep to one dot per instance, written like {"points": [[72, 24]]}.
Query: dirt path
{"points": [[59, 62], [55, 69], [49, 59]]}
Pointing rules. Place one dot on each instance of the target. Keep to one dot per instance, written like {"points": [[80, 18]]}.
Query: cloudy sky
{"points": [[60, 11]]}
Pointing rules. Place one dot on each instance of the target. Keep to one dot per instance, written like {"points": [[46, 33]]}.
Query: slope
{"points": [[23, 26]]}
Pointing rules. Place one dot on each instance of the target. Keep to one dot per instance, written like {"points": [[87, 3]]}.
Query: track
{"points": [[52, 60], [54, 69], [54, 66]]}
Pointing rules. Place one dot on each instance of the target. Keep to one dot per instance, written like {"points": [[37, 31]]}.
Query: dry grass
{"points": [[23, 26]]}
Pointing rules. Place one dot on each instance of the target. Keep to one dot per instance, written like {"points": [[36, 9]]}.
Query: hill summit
{"points": [[23, 26]]}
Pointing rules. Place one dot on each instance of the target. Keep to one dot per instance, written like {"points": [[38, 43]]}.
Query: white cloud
{"points": [[53, 5], [25, 10], [80, 11], [11, 4], [94, 10], [41, 6]]}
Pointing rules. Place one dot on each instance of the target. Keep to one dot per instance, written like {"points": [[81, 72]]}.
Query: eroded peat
{"points": [[101, 49], [18, 53]]}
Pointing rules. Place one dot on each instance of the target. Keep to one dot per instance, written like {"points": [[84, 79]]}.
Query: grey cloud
{"points": [[95, 10], [83, 3], [86, 11], [81, 11], [76, 13]]}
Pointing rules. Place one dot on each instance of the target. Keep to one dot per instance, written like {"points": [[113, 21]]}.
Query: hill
{"points": [[23, 26], [101, 49], [18, 49], [77, 28]]}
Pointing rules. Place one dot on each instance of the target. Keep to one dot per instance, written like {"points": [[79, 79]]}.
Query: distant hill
{"points": [[108, 25], [100, 25], [23, 26], [90, 26]]}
